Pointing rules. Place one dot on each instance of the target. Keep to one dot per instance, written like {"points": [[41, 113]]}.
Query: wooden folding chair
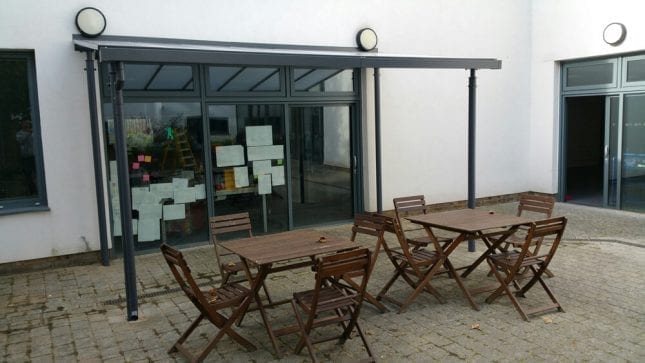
{"points": [[225, 296], [415, 265], [371, 225], [541, 205], [413, 205], [228, 224], [508, 266], [333, 302]]}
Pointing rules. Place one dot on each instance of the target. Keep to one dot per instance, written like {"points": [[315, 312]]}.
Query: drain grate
{"points": [[166, 291]]}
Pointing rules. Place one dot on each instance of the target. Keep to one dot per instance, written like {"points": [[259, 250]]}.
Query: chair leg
{"points": [[365, 343], [389, 284], [187, 333], [503, 289], [304, 337]]}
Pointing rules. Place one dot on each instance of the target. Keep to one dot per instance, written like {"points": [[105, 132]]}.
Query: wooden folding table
{"points": [[290, 247], [491, 227]]}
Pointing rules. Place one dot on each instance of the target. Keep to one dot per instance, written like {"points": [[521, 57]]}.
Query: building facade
{"points": [[295, 144]]}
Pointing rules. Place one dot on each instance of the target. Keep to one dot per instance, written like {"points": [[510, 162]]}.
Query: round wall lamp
{"points": [[90, 22], [614, 34], [366, 39]]}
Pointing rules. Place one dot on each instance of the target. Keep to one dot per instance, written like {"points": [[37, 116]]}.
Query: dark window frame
{"points": [[152, 93], [38, 202]]}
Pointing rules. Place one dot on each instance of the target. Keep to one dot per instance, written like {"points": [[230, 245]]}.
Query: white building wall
{"points": [[561, 31], [424, 112]]}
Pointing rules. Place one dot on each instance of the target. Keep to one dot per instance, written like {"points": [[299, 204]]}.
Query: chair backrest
{"points": [[331, 269], [411, 205], [542, 204], [181, 272], [229, 223], [372, 225], [552, 228]]}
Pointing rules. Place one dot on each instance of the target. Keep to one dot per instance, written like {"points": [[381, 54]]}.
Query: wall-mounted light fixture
{"points": [[614, 34], [366, 39], [90, 22]]}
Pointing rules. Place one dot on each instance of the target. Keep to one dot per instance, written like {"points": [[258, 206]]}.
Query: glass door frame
{"points": [[356, 158], [607, 152]]}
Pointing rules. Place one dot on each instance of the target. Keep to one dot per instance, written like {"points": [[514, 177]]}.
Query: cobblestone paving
{"points": [[78, 313]]}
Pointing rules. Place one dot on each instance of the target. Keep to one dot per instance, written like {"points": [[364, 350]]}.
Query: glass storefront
{"points": [[287, 165], [603, 160], [248, 153], [166, 169]]}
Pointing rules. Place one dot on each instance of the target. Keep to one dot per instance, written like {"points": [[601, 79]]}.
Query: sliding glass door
{"points": [[321, 164]]}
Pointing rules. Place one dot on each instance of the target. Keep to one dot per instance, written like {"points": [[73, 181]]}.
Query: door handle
{"points": [[606, 152], [354, 164]]}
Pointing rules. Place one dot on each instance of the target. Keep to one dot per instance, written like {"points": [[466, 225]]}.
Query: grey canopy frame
{"points": [[119, 49]]}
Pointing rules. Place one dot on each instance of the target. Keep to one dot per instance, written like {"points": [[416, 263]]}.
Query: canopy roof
{"points": [[141, 49]]}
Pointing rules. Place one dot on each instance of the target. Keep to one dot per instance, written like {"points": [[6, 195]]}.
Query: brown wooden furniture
{"points": [[370, 225], [410, 206], [208, 304], [541, 205], [470, 224], [292, 249], [228, 224], [414, 265], [333, 302], [507, 266]]}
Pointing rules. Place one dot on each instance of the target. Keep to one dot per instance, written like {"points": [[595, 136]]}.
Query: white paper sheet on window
{"points": [[259, 135], [179, 183], [162, 190], [261, 167], [116, 227], [200, 191], [241, 176], [277, 175], [265, 152], [231, 155], [138, 194], [184, 195], [173, 212], [149, 211], [149, 230], [264, 184]]}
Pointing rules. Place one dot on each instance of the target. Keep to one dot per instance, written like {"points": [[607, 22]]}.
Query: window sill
{"points": [[20, 210]]}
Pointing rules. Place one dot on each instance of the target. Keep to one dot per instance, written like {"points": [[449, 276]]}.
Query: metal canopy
{"points": [[138, 49], [118, 49]]}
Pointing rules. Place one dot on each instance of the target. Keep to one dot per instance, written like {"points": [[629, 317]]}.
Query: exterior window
{"points": [[634, 71], [590, 75], [317, 80], [242, 79], [166, 169], [22, 181]]}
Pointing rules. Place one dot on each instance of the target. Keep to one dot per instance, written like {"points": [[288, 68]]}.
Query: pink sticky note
{"points": [[135, 166], [146, 177], [148, 158], [141, 157]]}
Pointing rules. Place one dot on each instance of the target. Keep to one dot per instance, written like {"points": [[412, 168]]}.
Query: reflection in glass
{"points": [[165, 161], [633, 171], [323, 80], [636, 70], [247, 145], [158, 77], [244, 79], [590, 74], [17, 162], [321, 164]]}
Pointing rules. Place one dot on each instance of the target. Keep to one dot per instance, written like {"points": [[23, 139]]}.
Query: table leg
{"points": [[492, 246]]}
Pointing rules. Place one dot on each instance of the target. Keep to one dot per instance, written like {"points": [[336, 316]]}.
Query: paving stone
{"points": [[62, 315]]}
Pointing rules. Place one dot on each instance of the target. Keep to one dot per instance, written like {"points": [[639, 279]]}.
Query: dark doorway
{"points": [[585, 143]]}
